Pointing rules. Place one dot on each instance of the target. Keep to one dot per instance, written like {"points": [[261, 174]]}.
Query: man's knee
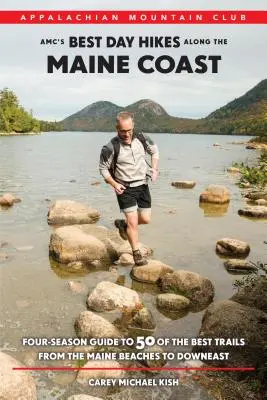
{"points": [[144, 217], [132, 220]]}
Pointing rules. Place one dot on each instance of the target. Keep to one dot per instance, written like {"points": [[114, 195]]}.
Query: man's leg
{"points": [[144, 206], [144, 216], [132, 233], [132, 228], [129, 229]]}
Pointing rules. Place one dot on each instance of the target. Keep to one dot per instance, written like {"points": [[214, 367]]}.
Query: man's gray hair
{"points": [[124, 115]]}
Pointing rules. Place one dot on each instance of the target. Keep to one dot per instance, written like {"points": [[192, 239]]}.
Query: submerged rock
{"points": [[76, 287], [233, 170], [232, 247], [24, 248], [155, 363], [196, 288], [172, 302], [184, 184], [152, 272], [215, 194], [84, 243], [8, 199], [228, 319], [91, 325], [109, 296], [15, 385], [84, 375], [254, 212], [69, 212], [3, 257], [143, 319]]}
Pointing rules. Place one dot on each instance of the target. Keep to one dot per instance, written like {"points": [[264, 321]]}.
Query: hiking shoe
{"points": [[122, 226], [139, 259]]}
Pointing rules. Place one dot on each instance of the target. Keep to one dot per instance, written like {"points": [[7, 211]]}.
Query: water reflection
{"points": [[174, 315], [142, 287], [77, 269], [214, 210]]}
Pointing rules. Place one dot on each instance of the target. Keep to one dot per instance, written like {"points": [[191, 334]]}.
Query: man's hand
{"points": [[154, 174], [119, 188]]}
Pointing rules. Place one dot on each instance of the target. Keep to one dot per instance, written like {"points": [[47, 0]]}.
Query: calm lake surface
{"points": [[35, 298]]}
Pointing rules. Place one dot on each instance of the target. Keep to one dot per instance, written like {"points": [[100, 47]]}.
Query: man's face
{"points": [[125, 130]]}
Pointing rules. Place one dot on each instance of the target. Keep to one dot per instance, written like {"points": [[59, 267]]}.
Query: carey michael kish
{"points": [[134, 382]]}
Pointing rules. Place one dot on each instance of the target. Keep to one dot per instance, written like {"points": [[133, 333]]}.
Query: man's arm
{"points": [[106, 158], [152, 149]]}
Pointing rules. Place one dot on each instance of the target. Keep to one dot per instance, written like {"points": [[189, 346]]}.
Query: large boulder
{"points": [[15, 385], [215, 194], [193, 286], [69, 212], [8, 199], [229, 320], [184, 184], [232, 247], [172, 301], [103, 370], [253, 212], [85, 243], [151, 272], [254, 294], [91, 325], [109, 296]]}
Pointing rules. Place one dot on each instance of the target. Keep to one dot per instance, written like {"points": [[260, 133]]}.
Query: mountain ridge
{"points": [[246, 115]]}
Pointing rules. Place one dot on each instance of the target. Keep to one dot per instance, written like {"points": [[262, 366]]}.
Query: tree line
{"points": [[15, 119]]}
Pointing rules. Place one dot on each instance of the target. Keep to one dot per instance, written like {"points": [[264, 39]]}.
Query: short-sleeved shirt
{"points": [[131, 165]]}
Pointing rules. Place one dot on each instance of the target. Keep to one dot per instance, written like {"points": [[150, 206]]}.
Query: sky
{"points": [[55, 96]]}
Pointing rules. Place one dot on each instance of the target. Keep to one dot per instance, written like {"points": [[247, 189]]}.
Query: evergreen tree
{"points": [[13, 117]]}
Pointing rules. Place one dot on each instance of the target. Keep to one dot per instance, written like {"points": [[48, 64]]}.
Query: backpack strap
{"points": [[140, 136], [116, 146]]}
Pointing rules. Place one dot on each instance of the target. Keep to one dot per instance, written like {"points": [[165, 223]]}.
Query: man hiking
{"points": [[123, 165]]}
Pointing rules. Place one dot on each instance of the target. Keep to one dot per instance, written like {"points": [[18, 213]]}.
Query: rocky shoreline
{"points": [[76, 242]]}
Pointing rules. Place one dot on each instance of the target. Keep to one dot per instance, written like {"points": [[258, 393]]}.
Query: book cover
{"points": [[133, 202]]}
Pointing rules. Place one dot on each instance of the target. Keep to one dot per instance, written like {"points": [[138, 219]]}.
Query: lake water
{"points": [[35, 298]]}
